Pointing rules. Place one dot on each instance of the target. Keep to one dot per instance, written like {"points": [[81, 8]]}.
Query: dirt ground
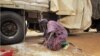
{"points": [[88, 42]]}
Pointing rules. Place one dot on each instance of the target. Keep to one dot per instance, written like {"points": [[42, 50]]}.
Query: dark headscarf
{"points": [[43, 24]]}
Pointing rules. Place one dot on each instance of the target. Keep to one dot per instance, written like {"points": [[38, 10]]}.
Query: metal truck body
{"points": [[14, 13]]}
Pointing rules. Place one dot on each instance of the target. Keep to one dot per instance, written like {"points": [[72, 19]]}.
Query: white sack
{"points": [[78, 13], [63, 7]]}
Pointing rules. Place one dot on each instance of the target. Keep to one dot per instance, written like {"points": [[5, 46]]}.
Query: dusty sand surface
{"points": [[34, 49], [88, 42]]}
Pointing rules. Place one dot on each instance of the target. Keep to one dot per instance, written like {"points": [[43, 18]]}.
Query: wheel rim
{"points": [[8, 28]]}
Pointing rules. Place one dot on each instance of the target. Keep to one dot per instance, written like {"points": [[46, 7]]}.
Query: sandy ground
{"points": [[88, 42]]}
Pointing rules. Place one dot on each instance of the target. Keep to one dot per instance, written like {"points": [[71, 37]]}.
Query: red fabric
{"points": [[6, 52]]}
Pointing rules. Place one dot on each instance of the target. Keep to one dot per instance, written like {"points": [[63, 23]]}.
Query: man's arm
{"points": [[50, 35]]}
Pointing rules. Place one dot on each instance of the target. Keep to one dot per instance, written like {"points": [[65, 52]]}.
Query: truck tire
{"points": [[11, 28], [98, 27]]}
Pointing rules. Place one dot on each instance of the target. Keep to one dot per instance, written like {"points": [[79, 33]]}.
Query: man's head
{"points": [[43, 23]]}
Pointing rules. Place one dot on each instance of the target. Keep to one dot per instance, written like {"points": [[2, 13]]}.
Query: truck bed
{"points": [[24, 5]]}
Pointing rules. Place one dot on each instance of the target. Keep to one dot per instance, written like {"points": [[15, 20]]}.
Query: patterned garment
{"points": [[59, 37]]}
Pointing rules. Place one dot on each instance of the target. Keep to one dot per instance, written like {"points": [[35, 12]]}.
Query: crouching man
{"points": [[55, 34]]}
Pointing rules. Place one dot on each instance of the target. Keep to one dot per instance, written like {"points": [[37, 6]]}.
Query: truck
{"points": [[13, 17], [73, 15]]}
